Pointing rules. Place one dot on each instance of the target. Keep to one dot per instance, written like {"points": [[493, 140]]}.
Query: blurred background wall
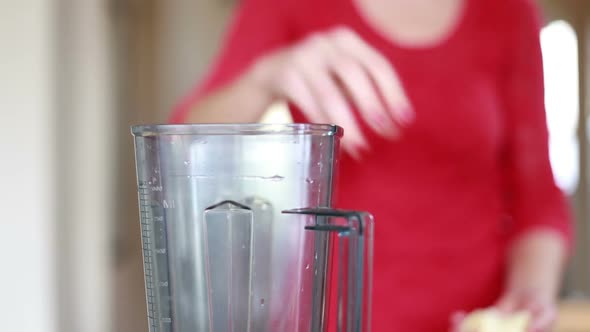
{"points": [[27, 145], [75, 74]]}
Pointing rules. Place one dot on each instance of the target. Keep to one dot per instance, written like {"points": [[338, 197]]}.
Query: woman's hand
{"points": [[541, 308], [328, 74], [541, 312], [535, 267]]}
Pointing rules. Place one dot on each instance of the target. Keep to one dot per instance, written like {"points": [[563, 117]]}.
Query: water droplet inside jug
{"points": [[186, 162], [307, 267], [262, 302], [243, 246], [308, 180]]}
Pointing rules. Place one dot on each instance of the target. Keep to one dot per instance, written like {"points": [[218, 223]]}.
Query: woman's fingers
{"points": [[294, 87], [358, 85], [543, 316], [542, 313], [543, 322], [351, 77], [381, 72], [334, 105], [328, 72], [311, 62]]}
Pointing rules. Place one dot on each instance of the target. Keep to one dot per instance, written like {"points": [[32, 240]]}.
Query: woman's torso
{"points": [[436, 193]]}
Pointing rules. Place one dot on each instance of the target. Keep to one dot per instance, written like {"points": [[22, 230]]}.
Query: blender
{"points": [[239, 233]]}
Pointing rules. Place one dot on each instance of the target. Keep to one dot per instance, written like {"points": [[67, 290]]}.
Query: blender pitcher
{"points": [[238, 233]]}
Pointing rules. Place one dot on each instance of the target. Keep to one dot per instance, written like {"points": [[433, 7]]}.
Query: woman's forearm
{"points": [[536, 263], [241, 101]]}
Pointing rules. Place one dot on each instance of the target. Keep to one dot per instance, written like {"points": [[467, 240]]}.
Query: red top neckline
{"points": [[453, 33]]}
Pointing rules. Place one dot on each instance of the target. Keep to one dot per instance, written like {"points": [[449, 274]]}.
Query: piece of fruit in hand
{"points": [[492, 320]]}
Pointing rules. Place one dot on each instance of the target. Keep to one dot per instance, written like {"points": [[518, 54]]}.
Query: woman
{"points": [[445, 140]]}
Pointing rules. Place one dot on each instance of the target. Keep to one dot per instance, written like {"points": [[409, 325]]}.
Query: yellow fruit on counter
{"points": [[491, 320]]}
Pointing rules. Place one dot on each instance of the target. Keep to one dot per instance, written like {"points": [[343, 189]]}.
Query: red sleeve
{"points": [[257, 26], [536, 200]]}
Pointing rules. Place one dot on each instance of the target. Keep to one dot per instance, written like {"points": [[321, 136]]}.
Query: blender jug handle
{"points": [[355, 263]]}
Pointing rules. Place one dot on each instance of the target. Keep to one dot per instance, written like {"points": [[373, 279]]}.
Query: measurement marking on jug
{"points": [[169, 204], [153, 230], [146, 220]]}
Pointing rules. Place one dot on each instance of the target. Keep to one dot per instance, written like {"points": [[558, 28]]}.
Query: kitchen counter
{"points": [[574, 316]]}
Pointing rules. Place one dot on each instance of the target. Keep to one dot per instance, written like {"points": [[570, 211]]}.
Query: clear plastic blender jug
{"points": [[238, 232]]}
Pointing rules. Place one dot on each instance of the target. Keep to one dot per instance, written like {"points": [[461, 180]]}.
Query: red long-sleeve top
{"points": [[471, 173]]}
